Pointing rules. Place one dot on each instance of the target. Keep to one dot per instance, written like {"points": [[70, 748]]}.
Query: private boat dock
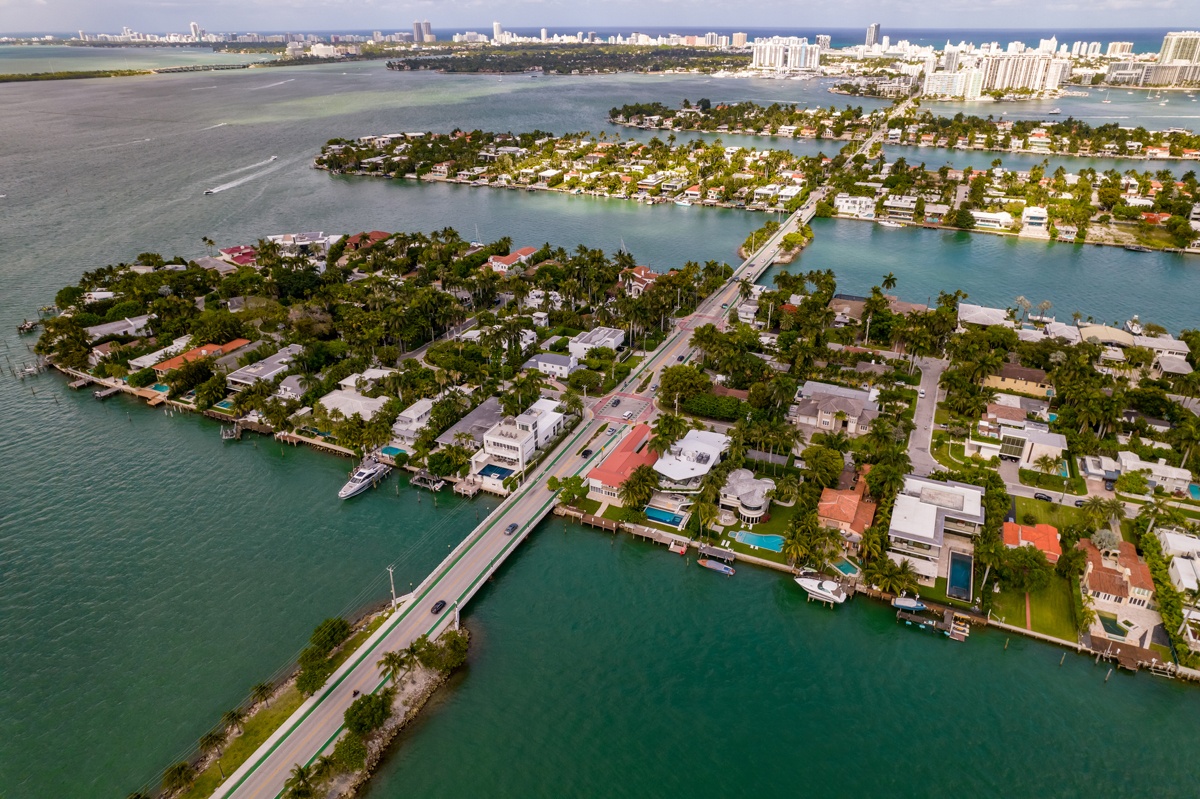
{"points": [[424, 479], [105, 393], [956, 626]]}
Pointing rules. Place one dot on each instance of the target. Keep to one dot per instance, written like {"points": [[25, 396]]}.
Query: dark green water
{"points": [[149, 573]]}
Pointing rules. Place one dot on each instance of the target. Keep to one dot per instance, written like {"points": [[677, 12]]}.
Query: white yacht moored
{"points": [[368, 473], [821, 589]]}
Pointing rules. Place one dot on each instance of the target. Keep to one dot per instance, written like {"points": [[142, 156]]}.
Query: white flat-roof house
{"points": [[689, 459], [924, 513], [267, 369], [747, 495], [349, 402], [588, 340], [158, 356], [1017, 440], [1172, 478], [412, 421], [1000, 220], [851, 205], [514, 440], [130, 326]]}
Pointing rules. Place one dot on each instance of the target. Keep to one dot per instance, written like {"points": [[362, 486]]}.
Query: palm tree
{"points": [[889, 281], [262, 693], [393, 664], [785, 490], [668, 428], [1188, 431], [1095, 511], [299, 784], [213, 741], [639, 487], [178, 776], [232, 719]]}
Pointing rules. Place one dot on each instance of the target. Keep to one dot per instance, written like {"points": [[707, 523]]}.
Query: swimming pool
{"points": [[1194, 491], [846, 567], [1112, 627], [958, 586], [225, 405], [492, 470], [161, 387], [771, 542], [391, 452], [663, 517]]}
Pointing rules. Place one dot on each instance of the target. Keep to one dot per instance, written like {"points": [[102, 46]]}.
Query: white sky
{"points": [[156, 16]]}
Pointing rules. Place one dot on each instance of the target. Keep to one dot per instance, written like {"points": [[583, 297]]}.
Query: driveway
{"points": [[920, 439]]}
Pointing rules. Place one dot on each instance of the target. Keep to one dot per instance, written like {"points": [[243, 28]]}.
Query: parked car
{"points": [[627, 415], [1109, 485], [654, 388], [512, 528], [1079, 503], [438, 606], [921, 393], [1043, 497], [587, 453]]}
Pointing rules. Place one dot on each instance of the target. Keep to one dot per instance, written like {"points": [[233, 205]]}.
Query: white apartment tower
{"points": [[873, 34], [195, 26], [1117, 49], [1180, 47], [824, 40], [739, 40]]}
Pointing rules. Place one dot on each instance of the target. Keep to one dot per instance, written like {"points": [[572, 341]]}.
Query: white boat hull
{"points": [[823, 590]]}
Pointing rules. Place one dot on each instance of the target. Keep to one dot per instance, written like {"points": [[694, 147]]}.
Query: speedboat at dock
{"points": [[820, 589], [368, 473], [908, 603]]}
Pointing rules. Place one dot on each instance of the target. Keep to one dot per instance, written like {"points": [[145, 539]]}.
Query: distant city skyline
{"points": [[31, 16]]}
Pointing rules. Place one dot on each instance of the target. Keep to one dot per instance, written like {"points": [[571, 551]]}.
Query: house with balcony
{"points": [[930, 519], [604, 481], [848, 510], [1116, 577], [1043, 537], [687, 461], [553, 364], [265, 370], [588, 340], [746, 495], [411, 421], [512, 441], [854, 206], [1021, 380], [824, 407]]}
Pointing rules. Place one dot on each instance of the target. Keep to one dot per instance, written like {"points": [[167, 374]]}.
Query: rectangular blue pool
{"points": [[492, 470], [846, 567], [958, 586], [225, 405], [392, 452], [162, 388], [1194, 491], [771, 542], [663, 517]]}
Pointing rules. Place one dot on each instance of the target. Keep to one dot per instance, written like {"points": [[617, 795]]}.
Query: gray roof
{"points": [[268, 368], [552, 358], [477, 422], [130, 326]]}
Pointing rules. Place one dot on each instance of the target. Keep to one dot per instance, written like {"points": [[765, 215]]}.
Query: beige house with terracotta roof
{"points": [[848, 510], [1117, 576], [1020, 379]]}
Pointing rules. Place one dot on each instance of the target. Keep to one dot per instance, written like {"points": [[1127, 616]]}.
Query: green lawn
{"points": [[1052, 482], [938, 594], [258, 729], [780, 517], [951, 455], [1048, 512], [1049, 609], [588, 506]]}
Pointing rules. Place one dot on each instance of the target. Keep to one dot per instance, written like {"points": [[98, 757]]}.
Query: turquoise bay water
{"points": [[24, 59], [151, 573]]}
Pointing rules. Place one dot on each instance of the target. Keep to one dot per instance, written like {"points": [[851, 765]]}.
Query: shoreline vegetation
{"points": [[567, 60], [1143, 211], [22, 77]]}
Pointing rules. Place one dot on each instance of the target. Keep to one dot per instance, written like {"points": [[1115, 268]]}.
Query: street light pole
{"points": [[392, 582]]}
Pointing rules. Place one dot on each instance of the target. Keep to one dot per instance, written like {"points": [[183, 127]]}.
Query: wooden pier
{"points": [[105, 393], [425, 479]]}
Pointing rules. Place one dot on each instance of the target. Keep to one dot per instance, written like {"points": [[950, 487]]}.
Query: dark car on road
{"points": [[438, 606], [512, 528], [1043, 497], [1079, 503], [587, 453], [679, 358], [616, 401]]}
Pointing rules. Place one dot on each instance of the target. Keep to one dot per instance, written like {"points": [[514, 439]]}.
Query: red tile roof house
{"points": [[241, 255], [360, 240], [604, 481], [504, 263], [637, 279], [206, 351], [1042, 536], [1119, 577], [848, 510]]}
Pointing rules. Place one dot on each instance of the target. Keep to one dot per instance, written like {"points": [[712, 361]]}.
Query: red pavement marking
{"points": [[1028, 614]]}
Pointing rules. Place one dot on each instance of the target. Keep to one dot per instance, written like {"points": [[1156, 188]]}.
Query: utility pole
{"points": [[392, 582]]}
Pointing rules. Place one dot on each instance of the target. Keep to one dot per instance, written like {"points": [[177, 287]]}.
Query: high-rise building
{"points": [[710, 39], [418, 34], [951, 59], [195, 32], [785, 54], [544, 34], [1117, 49], [377, 36], [824, 41], [1181, 47], [1034, 71], [427, 32], [873, 34], [1093, 50], [739, 40], [497, 31]]}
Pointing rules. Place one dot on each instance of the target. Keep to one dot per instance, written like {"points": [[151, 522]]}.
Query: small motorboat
{"points": [[821, 589], [717, 566], [209, 191], [684, 203], [273, 158], [908, 603], [889, 223], [1137, 248]]}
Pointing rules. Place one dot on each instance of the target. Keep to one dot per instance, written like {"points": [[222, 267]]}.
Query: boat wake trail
{"points": [[214, 127], [244, 168], [269, 85], [235, 183]]}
